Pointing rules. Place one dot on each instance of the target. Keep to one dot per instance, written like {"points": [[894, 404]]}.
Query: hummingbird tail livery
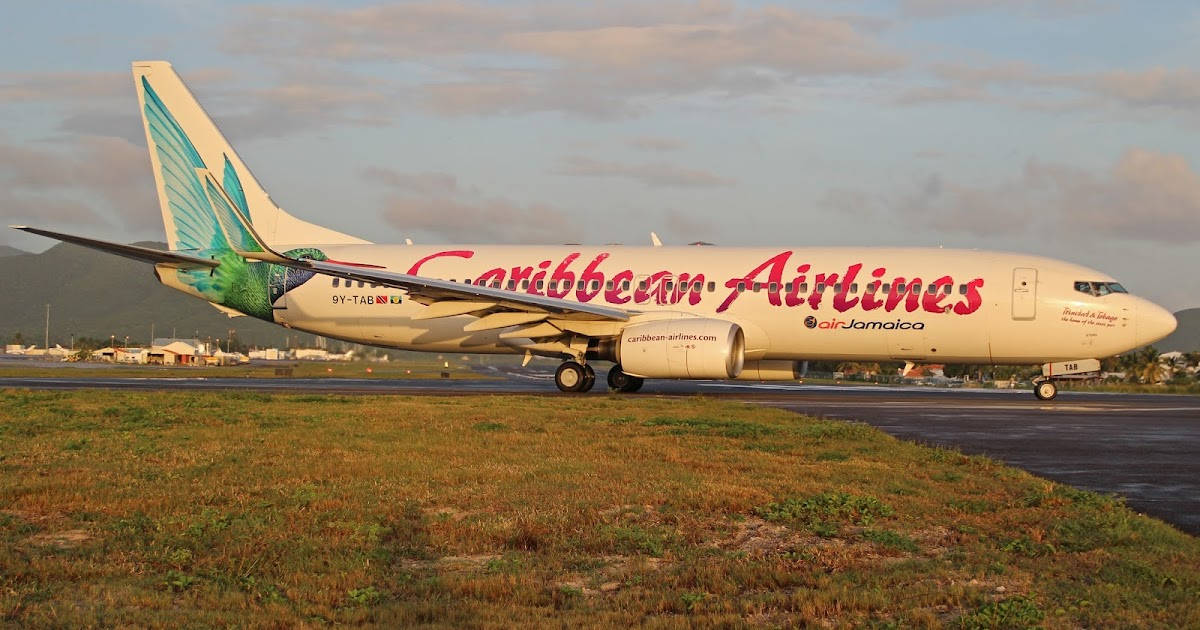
{"points": [[655, 312]]}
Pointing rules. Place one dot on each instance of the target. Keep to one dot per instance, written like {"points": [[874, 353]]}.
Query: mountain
{"points": [[8, 250], [1186, 337], [93, 294]]}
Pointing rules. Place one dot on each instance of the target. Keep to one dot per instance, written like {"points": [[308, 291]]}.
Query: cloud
{"points": [[1023, 85], [1145, 196], [1045, 8], [655, 175], [434, 204], [653, 143], [89, 181], [601, 60]]}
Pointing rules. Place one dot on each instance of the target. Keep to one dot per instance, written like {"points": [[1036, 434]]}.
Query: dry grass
{"points": [[197, 509]]}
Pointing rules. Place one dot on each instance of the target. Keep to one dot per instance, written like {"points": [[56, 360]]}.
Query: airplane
{"points": [[659, 312]]}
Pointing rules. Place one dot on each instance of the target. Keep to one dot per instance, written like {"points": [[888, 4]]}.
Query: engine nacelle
{"points": [[770, 371], [682, 348]]}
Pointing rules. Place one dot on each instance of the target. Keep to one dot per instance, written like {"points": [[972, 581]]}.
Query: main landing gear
{"points": [[619, 381], [573, 377]]}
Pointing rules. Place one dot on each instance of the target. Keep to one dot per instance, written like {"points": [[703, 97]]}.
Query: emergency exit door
{"points": [[1024, 293]]}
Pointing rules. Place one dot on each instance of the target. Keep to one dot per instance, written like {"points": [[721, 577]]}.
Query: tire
{"points": [[619, 381], [1046, 390], [570, 377], [589, 379]]}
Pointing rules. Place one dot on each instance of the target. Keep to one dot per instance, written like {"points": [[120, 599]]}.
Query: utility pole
{"points": [[47, 346]]}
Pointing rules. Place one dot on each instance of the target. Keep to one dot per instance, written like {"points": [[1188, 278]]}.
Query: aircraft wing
{"points": [[429, 291], [143, 254]]}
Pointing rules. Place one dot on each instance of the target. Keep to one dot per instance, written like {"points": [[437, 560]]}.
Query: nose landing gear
{"points": [[573, 378], [1045, 390]]}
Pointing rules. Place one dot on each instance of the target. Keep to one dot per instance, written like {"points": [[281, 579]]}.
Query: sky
{"points": [[1065, 128]]}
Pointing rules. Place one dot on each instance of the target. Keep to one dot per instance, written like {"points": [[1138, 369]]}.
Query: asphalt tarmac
{"points": [[1143, 447]]}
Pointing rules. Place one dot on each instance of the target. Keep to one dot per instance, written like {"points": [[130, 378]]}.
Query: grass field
{"points": [[199, 510], [404, 368]]}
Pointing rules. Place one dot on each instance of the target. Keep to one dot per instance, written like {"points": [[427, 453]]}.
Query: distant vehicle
{"points": [[656, 312]]}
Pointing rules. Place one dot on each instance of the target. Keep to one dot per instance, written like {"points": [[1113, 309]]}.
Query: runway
{"points": [[1143, 447]]}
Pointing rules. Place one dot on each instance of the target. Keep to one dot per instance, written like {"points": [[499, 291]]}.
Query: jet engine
{"points": [[682, 348], [770, 370]]}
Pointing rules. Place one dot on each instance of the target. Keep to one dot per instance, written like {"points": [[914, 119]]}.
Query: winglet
{"points": [[654, 240]]}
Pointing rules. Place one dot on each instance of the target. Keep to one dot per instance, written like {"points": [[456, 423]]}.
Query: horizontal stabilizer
{"points": [[142, 254]]}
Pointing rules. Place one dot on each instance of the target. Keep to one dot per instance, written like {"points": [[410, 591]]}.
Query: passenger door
{"points": [[1024, 293]]}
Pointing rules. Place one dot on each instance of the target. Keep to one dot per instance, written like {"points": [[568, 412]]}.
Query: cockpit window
{"points": [[1099, 288]]}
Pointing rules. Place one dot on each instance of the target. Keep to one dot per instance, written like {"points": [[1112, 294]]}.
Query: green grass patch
{"points": [[198, 509]]}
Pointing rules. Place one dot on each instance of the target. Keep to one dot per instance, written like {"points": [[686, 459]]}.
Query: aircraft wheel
{"points": [[570, 377], [589, 378], [619, 381], [1045, 390]]}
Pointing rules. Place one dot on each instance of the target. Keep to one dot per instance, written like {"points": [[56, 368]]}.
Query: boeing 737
{"points": [[749, 313]]}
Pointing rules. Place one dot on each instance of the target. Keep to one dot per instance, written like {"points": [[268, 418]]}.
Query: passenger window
{"points": [[820, 288], [837, 287], [625, 285], [336, 282], [609, 285], [916, 287], [541, 284], [512, 284], [854, 287], [582, 285], [899, 287], [773, 287], [525, 285], [741, 286], [757, 287], [962, 289], [887, 288], [595, 285], [670, 285], [712, 286], [642, 285], [362, 283], [787, 287], [804, 287]]}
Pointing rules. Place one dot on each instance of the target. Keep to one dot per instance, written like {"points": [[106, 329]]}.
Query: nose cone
{"points": [[1153, 323]]}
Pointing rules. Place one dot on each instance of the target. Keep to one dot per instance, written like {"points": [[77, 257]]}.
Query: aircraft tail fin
{"points": [[184, 143]]}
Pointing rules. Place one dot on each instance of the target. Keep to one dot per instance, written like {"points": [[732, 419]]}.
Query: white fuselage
{"points": [[796, 304]]}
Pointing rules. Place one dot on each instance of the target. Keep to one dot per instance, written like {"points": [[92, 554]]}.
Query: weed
{"points": [[364, 596], [690, 600], [832, 456], [1016, 612], [840, 506], [709, 426], [177, 581], [890, 539], [490, 426], [1027, 547], [76, 445], [634, 539]]}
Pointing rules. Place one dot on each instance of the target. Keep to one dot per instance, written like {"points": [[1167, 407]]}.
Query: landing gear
{"points": [[573, 378], [1045, 390], [619, 381]]}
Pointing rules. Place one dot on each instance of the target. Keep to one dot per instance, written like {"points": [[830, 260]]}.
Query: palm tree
{"points": [[1149, 369]]}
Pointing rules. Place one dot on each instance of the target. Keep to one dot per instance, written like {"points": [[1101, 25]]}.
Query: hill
{"points": [[1186, 337], [93, 294]]}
